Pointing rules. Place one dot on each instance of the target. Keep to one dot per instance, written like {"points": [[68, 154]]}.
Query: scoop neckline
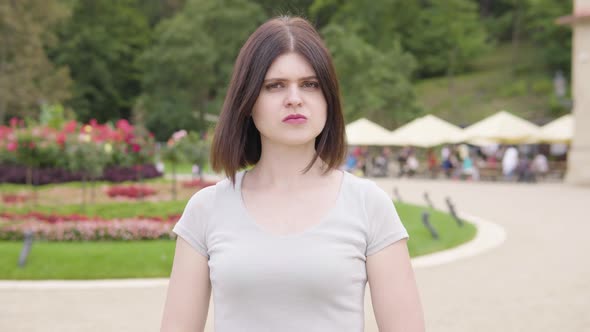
{"points": [[323, 220]]}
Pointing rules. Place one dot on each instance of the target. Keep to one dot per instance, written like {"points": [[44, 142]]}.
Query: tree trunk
{"points": [[84, 193], [29, 180], [139, 169], [92, 189], [173, 165], [35, 174]]}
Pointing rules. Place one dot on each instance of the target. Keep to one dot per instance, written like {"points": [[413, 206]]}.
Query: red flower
{"points": [[136, 148]]}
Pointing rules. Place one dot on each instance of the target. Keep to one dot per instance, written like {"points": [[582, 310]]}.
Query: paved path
{"points": [[537, 280]]}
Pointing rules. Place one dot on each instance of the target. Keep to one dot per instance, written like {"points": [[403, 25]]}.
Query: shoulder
{"points": [[369, 193]]}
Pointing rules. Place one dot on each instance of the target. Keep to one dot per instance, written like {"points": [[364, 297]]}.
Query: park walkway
{"points": [[537, 280]]}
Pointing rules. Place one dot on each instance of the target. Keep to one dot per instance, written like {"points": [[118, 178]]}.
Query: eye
{"points": [[274, 85], [311, 84]]}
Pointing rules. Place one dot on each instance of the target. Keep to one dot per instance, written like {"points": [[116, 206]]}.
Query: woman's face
{"points": [[291, 108]]}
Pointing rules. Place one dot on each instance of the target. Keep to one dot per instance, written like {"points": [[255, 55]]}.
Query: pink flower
{"points": [[13, 122], [124, 126], [12, 146], [70, 127], [61, 138], [136, 147]]}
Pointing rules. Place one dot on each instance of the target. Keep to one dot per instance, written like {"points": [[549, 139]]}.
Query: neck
{"points": [[282, 166]]}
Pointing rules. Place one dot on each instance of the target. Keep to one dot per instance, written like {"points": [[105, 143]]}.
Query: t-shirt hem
{"points": [[186, 235], [390, 239]]}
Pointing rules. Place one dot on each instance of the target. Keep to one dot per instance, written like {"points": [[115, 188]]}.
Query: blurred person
{"points": [[540, 166], [289, 244], [432, 163], [510, 163], [470, 170], [523, 170], [412, 164], [402, 158], [350, 163]]}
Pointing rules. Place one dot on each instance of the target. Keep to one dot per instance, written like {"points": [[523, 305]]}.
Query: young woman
{"points": [[289, 244]]}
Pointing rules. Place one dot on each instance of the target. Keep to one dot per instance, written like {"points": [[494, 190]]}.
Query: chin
{"points": [[295, 140]]}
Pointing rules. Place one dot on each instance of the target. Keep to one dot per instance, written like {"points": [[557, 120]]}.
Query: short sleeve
{"points": [[192, 225], [383, 222]]}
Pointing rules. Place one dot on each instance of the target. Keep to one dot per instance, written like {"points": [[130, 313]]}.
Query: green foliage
{"points": [[189, 65], [449, 37], [86, 156], [187, 148], [100, 44], [52, 116], [554, 41], [374, 84], [274, 8], [391, 21], [27, 76]]}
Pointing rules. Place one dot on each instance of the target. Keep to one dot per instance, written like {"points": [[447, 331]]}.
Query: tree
{"points": [[391, 21], [374, 84], [27, 77], [190, 63], [157, 10], [291, 7], [100, 44], [554, 41], [449, 37]]}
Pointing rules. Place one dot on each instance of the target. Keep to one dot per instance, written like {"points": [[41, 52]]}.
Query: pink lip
{"points": [[295, 118]]}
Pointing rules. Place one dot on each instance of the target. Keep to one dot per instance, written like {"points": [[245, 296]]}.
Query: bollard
{"points": [[453, 212], [426, 222], [427, 199], [22, 260], [396, 194]]}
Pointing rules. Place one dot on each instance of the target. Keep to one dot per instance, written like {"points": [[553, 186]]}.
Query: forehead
{"points": [[290, 65]]}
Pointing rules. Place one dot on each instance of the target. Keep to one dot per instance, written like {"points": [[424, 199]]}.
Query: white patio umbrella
{"points": [[502, 127], [365, 132], [427, 131], [560, 130]]}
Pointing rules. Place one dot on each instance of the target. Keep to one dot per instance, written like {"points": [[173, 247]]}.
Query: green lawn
{"points": [[88, 260], [146, 259], [12, 187], [498, 82], [111, 210]]}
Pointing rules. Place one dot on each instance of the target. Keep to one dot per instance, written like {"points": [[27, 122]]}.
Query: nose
{"points": [[293, 98]]}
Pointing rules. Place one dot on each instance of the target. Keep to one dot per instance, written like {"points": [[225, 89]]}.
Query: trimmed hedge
{"points": [[18, 174]]}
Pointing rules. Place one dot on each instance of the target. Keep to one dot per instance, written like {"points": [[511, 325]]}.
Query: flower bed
{"points": [[55, 218], [125, 229], [73, 151], [14, 198], [82, 228], [130, 191], [197, 183]]}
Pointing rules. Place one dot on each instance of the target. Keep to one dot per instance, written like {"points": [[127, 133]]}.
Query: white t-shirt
{"points": [[309, 281]]}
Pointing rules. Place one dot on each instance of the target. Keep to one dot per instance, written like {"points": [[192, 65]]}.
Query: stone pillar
{"points": [[578, 167]]}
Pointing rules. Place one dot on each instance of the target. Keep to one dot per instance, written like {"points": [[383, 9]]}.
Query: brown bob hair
{"points": [[236, 142]]}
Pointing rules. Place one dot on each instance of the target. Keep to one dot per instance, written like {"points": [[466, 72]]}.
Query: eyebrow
{"points": [[284, 79]]}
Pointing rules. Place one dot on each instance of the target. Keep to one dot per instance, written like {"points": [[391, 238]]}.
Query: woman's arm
{"points": [[189, 290], [394, 293]]}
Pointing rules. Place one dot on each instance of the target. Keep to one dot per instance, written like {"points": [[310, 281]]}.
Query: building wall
{"points": [[579, 156]]}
